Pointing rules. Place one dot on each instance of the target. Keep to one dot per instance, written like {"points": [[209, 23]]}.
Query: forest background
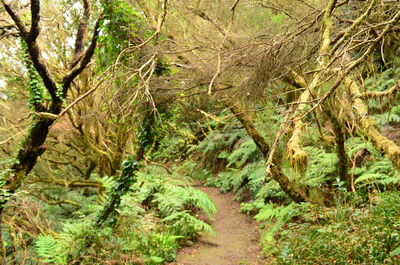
{"points": [[109, 109]]}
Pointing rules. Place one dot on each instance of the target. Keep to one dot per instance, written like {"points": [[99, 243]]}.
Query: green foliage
{"points": [[173, 199], [121, 187], [120, 26], [269, 191], [344, 235], [241, 155], [186, 225], [322, 166], [392, 116], [218, 145], [37, 92], [354, 144], [377, 171], [50, 251], [194, 171], [380, 172], [250, 177], [159, 211], [157, 248], [274, 218], [387, 109], [5, 172], [211, 147]]}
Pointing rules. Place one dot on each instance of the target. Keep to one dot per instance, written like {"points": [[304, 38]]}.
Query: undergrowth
{"points": [[344, 234], [159, 213], [359, 228]]}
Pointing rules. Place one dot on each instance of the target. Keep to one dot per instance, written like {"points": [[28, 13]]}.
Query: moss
{"points": [[367, 125]]}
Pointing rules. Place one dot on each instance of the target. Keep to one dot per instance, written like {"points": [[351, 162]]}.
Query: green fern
{"points": [[379, 172], [200, 200], [322, 166], [392, 116], [245, 152], [272, 212], [235, 135], [355, 144], [157, 248], [275, 218], [50, 251], [176, 198], [224, 181], [184, 224]]}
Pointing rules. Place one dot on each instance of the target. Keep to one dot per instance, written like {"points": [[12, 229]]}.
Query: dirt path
{"points": [[237, 241]]}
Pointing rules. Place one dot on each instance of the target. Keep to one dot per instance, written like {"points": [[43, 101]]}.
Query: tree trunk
{"points": [[294, 191]]}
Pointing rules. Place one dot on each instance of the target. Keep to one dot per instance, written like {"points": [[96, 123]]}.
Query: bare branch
{"points": [[67, 80], [16, 19], [35, 18], [81, 33]]}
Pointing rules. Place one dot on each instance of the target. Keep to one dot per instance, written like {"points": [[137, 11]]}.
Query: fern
{"points": [[322, 166], [176, 198], [156, 247], [256, 175], [224, 181], [248, 207], [235, 135], [186, 225], [276, 217], [50, 251], [392, 116], [200, 200], [245, 152], [270, 212], [354, 144], [107, 182], [380, 172]]}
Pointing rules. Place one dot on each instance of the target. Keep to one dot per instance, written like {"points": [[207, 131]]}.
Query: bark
{"points": [[294, 191], [87, 174], [367, 125], [33, 145], [340, 138]]}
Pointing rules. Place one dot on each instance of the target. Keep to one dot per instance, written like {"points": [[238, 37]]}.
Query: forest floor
{"points": [[237, 242]]}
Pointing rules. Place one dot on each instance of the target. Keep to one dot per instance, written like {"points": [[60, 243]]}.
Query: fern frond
{"points": [[176, 198], [50, 251], [201, 200], [241, 155], [270, 212], [380, 172], [184, 224], [322, 165]]}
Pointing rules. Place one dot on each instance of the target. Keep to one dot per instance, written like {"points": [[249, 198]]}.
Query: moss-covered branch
{"points": [[367, 125], [294, 191], [378, 94]]}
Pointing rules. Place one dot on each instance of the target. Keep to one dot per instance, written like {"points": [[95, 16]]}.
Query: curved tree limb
{"points": [[367, 125], [294, 191]]}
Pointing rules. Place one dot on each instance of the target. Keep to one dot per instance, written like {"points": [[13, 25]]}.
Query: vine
{"points": [[37, 92]]}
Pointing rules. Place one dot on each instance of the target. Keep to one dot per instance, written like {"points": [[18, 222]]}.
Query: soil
{"points": [[237, 242]]}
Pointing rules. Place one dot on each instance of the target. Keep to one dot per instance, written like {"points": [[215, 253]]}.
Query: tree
{"points": [[45, 112]]}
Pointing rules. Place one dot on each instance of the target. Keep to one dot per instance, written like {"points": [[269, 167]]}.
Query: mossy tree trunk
{"points": [[367, 125], [294, 191]]}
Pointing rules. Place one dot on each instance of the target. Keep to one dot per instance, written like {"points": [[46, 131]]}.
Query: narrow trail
{"points": [[237, 242]]}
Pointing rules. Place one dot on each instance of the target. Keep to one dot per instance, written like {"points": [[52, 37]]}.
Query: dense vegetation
{"points": [[111, 109]]}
